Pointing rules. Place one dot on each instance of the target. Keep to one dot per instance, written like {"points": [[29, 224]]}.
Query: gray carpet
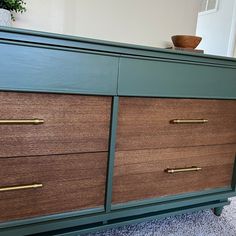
{"points": [[202, 223]]}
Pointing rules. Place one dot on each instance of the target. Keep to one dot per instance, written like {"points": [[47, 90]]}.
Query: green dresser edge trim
{"points": [[90, 226], [158, 215], [178, 96], [59, 91], [38, 37], [183, 60], [111, 156], [233, 185]]}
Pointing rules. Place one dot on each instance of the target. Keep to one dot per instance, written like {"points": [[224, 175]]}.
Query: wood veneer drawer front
{"points": [[72, 124], [173, 78], [45, 68], [142, 174], [147, 123], [69, 183]]}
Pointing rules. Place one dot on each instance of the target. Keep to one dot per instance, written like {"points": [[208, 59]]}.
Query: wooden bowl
{"points": [[186, 41]]}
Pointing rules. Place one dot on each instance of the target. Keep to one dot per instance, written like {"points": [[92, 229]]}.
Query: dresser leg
{"points": [[218, 210]]}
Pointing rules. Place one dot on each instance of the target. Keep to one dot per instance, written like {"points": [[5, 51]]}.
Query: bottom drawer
{"points": [[64, 183], [142, 174]]}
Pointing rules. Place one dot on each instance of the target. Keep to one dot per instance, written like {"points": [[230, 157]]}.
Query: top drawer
{"points": [[166, 78], [50, 69], [72, 124]]}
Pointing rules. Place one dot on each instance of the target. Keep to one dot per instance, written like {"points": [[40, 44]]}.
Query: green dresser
{"points": [[97, 134]]}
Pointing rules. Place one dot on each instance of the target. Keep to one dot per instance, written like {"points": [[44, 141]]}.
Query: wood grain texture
{"points": [[186, 41], [70, 182], [139, 175], [144, 123], [73, 124]]}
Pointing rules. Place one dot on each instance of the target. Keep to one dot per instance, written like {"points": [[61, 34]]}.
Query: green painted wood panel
{"points": [[45, 38], [27, 68], [111, 157], [165, 78], [141, 218]]}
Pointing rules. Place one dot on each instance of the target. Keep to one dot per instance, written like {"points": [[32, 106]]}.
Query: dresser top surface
{"points": [[102, 45]]}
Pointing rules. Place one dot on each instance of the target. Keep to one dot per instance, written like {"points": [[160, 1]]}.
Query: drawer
{"points": [[72, 124], [145, 123], [173, 78], [142, 174], [45, 68], [64, 183]]}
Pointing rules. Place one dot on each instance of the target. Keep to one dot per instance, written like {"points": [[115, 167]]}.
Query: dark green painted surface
{"points": [[141, 218], [114, 121], [55, 63], [89, 227], [23, 35], [138, 77], [234, 177], [42, 62], [218, 210], [42, 69]]}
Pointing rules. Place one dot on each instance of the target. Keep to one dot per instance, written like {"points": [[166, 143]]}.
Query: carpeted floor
{"points": [[202, 223]]}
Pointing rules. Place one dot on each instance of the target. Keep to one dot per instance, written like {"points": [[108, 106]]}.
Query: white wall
{"points": [[232, 38], [143, 22], [216, 29]]}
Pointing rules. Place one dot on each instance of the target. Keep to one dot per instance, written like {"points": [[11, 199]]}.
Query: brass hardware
{"points": [[13, 188], [178, 170], [34, 121], [189, 121]]}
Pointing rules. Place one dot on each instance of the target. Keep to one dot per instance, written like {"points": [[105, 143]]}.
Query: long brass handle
{"points": [[34, 121], [179, 170], [21, 187], [189, 121]]}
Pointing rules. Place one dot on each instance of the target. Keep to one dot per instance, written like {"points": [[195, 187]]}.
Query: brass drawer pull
{"points": [[179, 170], [34, 121], [189, 121], [13, 188]]}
